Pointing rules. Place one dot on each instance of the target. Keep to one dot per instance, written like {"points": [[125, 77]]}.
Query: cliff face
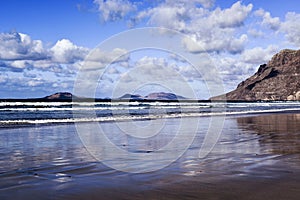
{"points": [[277, 80]]}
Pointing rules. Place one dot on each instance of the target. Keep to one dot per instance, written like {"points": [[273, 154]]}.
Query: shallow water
{"points": [[255, 157]]}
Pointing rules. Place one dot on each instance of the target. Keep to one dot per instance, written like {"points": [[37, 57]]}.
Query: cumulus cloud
{"points": [[64, 51], [27, 60], [149, 69], [290, 27], [21, 64], [163, 69], [19, 46], [233, 70], [211, 30], [35, 82], [218, 42], [116, 55], [113, 10], [204, 3], [169, 17], [230, 17], [269, 21], [27, 66], [255, 33], [259, 55], [216, 30], [18, 52], [99, 59]]}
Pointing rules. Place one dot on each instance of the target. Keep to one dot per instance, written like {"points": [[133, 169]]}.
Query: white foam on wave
{"points": [[139, 117], [95, 106], [260, 104], [111, 103], [71, 108]]}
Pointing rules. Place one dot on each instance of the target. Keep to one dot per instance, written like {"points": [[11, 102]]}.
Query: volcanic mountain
{"points": [[153, 96], [277, 80], [60, 96]]}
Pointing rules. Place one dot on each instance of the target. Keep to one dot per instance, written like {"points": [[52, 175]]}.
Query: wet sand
{"points": [[256, 157]]}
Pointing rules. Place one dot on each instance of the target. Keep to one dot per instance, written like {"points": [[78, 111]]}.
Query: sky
{"points": [[59, 45]]}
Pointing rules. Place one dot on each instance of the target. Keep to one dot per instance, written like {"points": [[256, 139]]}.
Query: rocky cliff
{"points": [[279, 79]]}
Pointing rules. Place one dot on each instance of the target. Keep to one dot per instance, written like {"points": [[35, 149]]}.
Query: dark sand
{"points": [[256, 157]]}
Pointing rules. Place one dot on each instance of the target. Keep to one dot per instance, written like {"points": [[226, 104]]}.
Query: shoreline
{"points": [[40, 122], [256, 157]]}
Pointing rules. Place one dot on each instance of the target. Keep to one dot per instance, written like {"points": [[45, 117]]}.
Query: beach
{"points": [[257, 156], [161, 99]]}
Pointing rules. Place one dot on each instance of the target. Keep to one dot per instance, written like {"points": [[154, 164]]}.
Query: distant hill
{"points": [[153, 96], [131, 96], [60, 96], [66, 96], [164, 96], [279, 80]]}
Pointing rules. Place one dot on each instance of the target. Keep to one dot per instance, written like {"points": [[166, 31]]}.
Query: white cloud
{"points": [[291, 28], [212, 30], [113, 10], [18, 46], [21, 64], [42, 64], [18, 52], [230, 17], [216, 30], [204, 3], [255, 33], [169, 17], [217, 42], [233, 70], [35, 82], [98, 59], [269, 21], [259, 55], [116, 55], [149, 69], [64, 51]]}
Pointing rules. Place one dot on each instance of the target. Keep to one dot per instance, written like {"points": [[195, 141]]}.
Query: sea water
{"points": [[26, 113], [54, 149]]}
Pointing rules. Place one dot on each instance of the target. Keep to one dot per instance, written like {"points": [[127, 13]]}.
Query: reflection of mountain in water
{"points": [[279, 133]]}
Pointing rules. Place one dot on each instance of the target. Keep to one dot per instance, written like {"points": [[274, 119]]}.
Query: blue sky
{"points": [[44, 44]]}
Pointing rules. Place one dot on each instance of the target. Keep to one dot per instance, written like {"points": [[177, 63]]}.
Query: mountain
{"points": [[131, 96], [278, 80], [153, 96], [163, 96], [60, 96], [66, 96]]}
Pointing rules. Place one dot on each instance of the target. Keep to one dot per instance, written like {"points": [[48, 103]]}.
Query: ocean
{"points": [[149, 150], [34, 113]]}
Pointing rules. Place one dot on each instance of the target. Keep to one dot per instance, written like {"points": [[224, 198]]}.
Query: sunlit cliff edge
{"points": [[278, 80]]}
